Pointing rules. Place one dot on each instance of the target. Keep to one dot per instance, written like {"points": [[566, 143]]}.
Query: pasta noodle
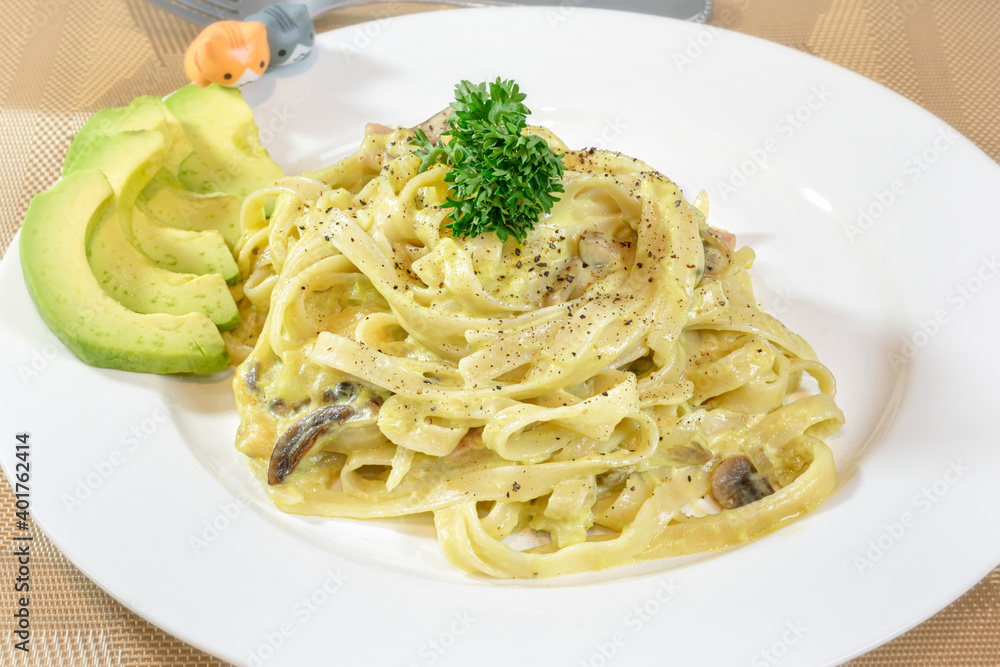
{"points": [[611, 386]]}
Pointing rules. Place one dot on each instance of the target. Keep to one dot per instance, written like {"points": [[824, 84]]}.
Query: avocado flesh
{"points": [[166, 199], [118, 156], [134, 281], [145, 113], [180, 250], [129, 160], [228, 156], [71, 302]]}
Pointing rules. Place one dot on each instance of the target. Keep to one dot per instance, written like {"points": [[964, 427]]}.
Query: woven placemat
{"points": [[64, 60]]}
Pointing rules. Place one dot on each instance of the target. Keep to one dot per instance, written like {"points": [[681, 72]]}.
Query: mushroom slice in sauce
{"points": [[252, 376], [280, 406], [735, 483], [595, 249], [343, 391], [718, 255], [691, 454], [296, 442], [434, 126]]}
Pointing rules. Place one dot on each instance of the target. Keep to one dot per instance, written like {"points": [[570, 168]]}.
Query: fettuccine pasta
{"points": [[610, 388]]}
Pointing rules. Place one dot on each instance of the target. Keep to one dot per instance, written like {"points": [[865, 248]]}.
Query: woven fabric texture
{"points": [[64, 60]]}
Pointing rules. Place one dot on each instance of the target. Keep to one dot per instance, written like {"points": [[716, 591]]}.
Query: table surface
{"points": [[64, 60]]}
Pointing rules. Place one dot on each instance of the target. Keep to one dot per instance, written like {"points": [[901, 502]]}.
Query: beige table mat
{"points": [[61, 60]]}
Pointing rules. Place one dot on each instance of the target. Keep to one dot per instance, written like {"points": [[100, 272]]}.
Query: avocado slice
{"points": [[95, 327], [129, 160], [145, 113], [180, 250], [228, 156], [166, 199], [118, 156]]}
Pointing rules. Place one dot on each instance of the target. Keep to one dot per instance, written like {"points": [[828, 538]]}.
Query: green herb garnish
{"points": [[501, 180]]}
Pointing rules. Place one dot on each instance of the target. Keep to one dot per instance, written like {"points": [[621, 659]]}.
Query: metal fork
{"points": [[208, 11]]}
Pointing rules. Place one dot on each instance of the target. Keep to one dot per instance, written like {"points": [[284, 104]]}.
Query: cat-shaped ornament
{"points": [[234, 53]]}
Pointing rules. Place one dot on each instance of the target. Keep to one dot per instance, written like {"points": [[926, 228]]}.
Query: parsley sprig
{"points": [[501, 180]]}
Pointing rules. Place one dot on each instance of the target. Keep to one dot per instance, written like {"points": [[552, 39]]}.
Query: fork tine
{"points": [[226, 5], [231, 8], [199, 16], [202, 11], [195, 17], [220, 10]]}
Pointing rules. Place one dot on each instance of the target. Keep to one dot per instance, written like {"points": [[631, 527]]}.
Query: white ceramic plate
{"points": [[135, 477]]}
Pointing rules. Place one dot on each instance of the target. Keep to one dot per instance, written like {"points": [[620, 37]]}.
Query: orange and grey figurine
{"points": [[229, 53]]}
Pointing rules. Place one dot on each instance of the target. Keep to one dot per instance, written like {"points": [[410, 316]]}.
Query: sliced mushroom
{"points": [[613, 478], [251, 377], [435, 126], [280, 406], [342, 391], [560, 290], [691, 454], [718, 255], [735, 483], [296, 442], [595, 249]]}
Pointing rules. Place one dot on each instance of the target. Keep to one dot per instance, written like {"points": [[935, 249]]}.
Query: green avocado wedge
{"points": [[181, 250], [138, 284], [228, 156], [129, 160], [145, 113], [166, 199], [71, 302]]}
